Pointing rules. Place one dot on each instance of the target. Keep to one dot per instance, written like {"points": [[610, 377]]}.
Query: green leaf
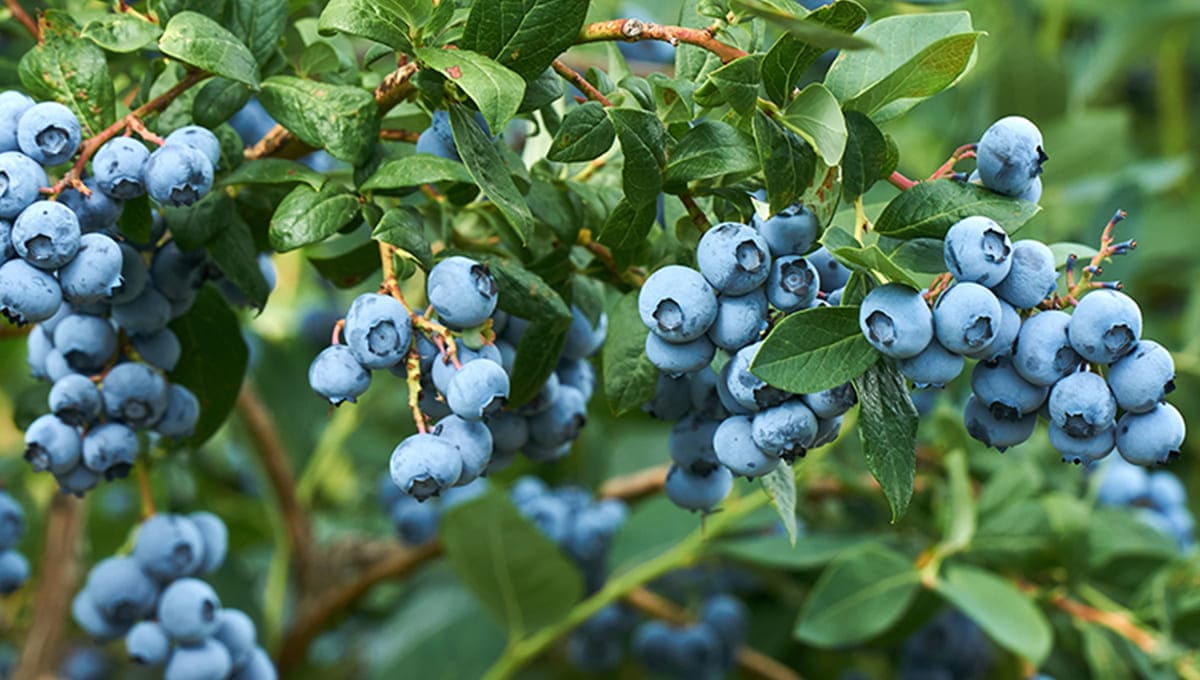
{"points": [[643, 143], [194, 226], [537, 357], [491, 174], [957, 512], [415, 170], [625, 230], [858, 596], [199, 41], [815, 115], [306, 216], [343, 120], [1003, 611], [348, 269], [929, 209], [275, 171], [542, 91], [887, 427], [673, 98], [810, 30], [232, 250], [404, 228], [813, 350], [212, 360], [523, 579], [137, 220], [711, 149], [693, 63], [785, 63], [496, 90], [925, 255], [524, 35], [384, 21], [780, 486], [260, 23], [71, 71], [869, 259], [916, 57], [629, 377], [788, 162], [523, 293], [585, 133], [810, 551], [217, 101], [865, 157], [121, 32], [1114, 533], [735, 83]]}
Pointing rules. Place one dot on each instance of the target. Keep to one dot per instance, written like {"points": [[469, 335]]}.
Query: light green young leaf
{"points": [[121, 32], [816, 116]]}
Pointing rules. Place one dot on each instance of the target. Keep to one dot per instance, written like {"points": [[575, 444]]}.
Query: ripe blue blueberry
{"points": [[740, 320], [462, 292], [96, 211], [577, 373], [146, 314], [474, 442], [48, 133], [200, 138], [7, 251], [1105, 326], [691, 444], [478, 390], [1122, 483], [178, 175], [1165, 491], [147, 643], [828, 430], [1080, 450], [734, 258], [1031, 278], [52, 444], [966, 318], [735, 447], [110, 450], [696, 649], [679, 358], [510, 432], [12, 105], [700, 493], [896, 321], [176, 273], [378, 330], [1082, 405], [27, 294], [1033, 192], [252, 122], [1007, 330], [135, 394], [562, 422], [181, 414], [94, 273], [725, 398], [14, 571], [336, 375], [1043, 352], [791, 231], [120, 168], [424, 465], [672, 397], [983, 426], [443, 369], [1152, 437], [747, 389], [121, 592], [189, 610], [56, 366], [1010, 155], [584, 338], [677, 304], [652, 645], [832, 402], [20, 179], [1004, 392], [728, 616], [206, 660], [258, 667], [37, 346], [933, 367], [793, 283], [438, 138], [77, 481], [415, 522], [833, 274], [87, 342], [786, 430], [169, 547], [236, 632], [75, 399], [46, 234], [978, 250], [91, 621], [161, 350], [12, 521], [215, 539], [1143, 377], [592, 654]]}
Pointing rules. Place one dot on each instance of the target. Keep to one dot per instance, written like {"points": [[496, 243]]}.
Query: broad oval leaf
{"points": [[121, 32], [735, 83], [70, 70], [274, 171], [524, 35], [865, 157], [385, 21], [213, 360], [342, 119], [813, 350], [415, 170], [626, 228], [887, 428], [218, 100], [199, 41], [260, 23], [306, 216], [585, 133], [786, 61], [628, 376], [816, 116], [643, 143], [711, 149], [858, 596], [496, 90], [929, 209], [404, 228], [1006, 614], [487, 167]]}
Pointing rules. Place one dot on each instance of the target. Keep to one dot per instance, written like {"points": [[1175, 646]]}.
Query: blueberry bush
{"points": [[575, 338]]}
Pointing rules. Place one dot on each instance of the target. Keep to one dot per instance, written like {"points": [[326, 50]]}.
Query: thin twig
{"points": [[637, 485], [898, 180], [22, 16], [144, 489], [633, 30], [698, 217], [573, 76], [399, 135]]}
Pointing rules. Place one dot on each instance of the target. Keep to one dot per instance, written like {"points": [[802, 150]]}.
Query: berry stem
{"points": [[439, 334], [145, 491], [1107, 249], [698, 217], [412, 369], [336, 336], [399, 135], [901, 182], [633, 30], [572, 76], [947, 168], [25, 20]]}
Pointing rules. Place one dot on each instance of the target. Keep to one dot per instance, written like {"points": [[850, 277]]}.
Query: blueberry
{"points": [[594, 654], [424, 465], [206, 660], [832, 402], [49, 133], [896, 321], [121, 592], [336, 375], [146, 314], [1082, 405], [734, 258], [701, 493], [787, 430], [462, 292], [378, 330], [442, 370], [1010, 155], [747, 389], [1043, 352], [510, 432], [1151, 437], [677, 304], [252, 122], [1002, 390], [584, 338], [679, 358], [91, 621], [1143, 377], [1105, 326], [189, 610], [12, 105], [728, 404], [562, 422], [200, 138], [12, 521], [75, 399], [691, 445], [181, 415], [177, 274], [705, 395], [1080, 450], [46, 234], [696, 649], [87, 342], [590, 535], [933, 367], [120, 168], [479, 389], [110, 449], [1121, 482], [978, 250], [577, 373], [77, 481], [728, 616], [1032, 276], [1165, 490], [94, 273], [740, 320], [1006, 332], [135, 394], [178, 175], [833, 274], [20, 179], [38, 346], [966, 318], [215, 539], [438, 138], [672, 397], [14, 571], [169, 547], [56, 366], [1033, 192], [992, 431], [96, 211], [161, 350], [791, 231], [549, 514], [147, 643], [7, 251], [735, 447], [258, 667], [793, 283], [474, 443], [236, 633], [52, 444]]}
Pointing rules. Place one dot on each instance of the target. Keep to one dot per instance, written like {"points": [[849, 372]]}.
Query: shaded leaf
{"points": [[813, 350], [343, 120], [643, 143], [404, 228], [274, 171], [787, 60], [887, 427], [711, 149], [71, 71], [788, 162], [524, 35], [415, 170], [585, 133], [491, 174], [306, 216], [212, 361], [858, 596], [629, 377]]}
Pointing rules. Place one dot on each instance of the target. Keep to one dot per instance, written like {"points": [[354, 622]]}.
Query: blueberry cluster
{"points": [[579, 525], [950, 645], [730, 421], [14, 568], [704, 649], [1159, 499], [417, 522], [155, 599]]}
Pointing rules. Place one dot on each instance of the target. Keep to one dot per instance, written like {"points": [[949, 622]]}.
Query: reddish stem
{"points": [[573, 76], [23, 17], [901, 182], [633, 30]]}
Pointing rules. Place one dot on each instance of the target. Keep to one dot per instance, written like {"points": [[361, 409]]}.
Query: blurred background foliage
{"points": [[1114, 85]]}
